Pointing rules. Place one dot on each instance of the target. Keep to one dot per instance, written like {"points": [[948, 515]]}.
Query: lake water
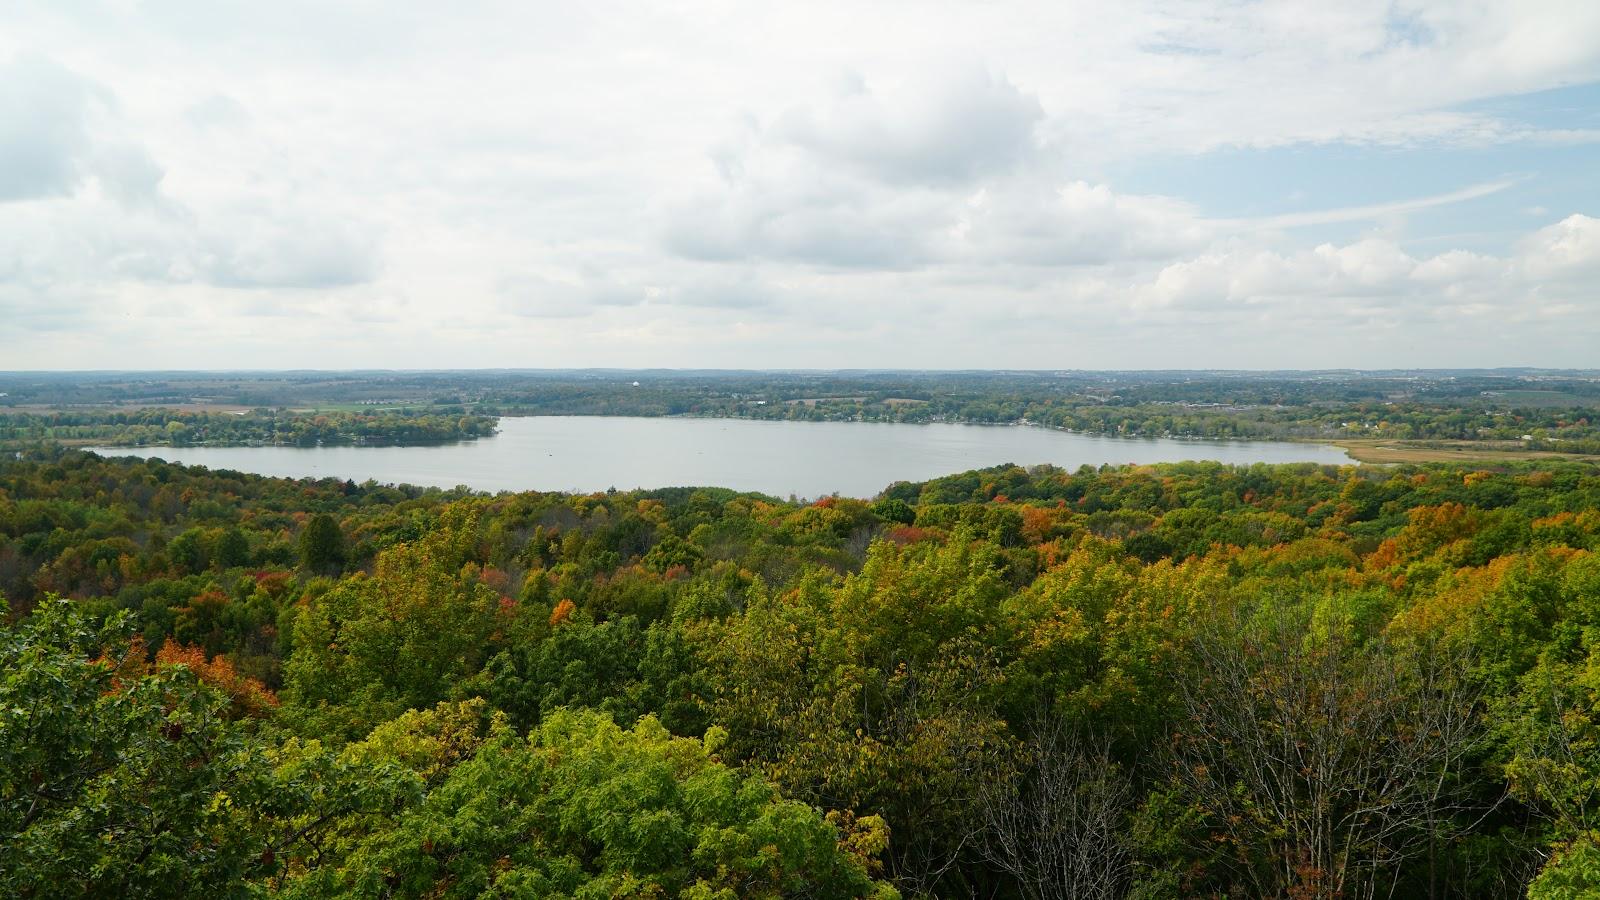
{"points": [[807, 459]]}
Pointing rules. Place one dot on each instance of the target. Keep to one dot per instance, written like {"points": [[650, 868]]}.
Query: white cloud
{"points": [[533, 184], [952, 174], [544, 297], [1569, 249], [960, 125], [1076, 223], [278, 248], [1330, 281], [636, 295], [1370, 211], [59, 130], [89, 209]]}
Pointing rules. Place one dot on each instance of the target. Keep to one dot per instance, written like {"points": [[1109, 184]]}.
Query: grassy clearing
{"points": [[1540, 398], [1379, 451]]}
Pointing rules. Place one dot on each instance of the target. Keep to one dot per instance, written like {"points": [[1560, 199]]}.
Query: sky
{"points": [[703, 184]]}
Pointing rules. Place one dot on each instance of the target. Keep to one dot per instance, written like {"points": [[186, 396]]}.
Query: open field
{"points": [[1540, 399], [1379, 451]]}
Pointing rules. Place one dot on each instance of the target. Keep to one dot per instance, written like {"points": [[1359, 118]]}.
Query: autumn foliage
{"points": [[1155, 681], [249, 696]]}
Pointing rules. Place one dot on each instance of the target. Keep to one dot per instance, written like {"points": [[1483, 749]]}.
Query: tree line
{"points": [[178, 428], [1539, 410]]}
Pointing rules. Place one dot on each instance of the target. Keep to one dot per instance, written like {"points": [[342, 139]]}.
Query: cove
{"points": [[805, 459]]}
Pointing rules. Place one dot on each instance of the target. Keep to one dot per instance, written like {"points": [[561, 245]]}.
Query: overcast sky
{"points": [[1061, 184]]}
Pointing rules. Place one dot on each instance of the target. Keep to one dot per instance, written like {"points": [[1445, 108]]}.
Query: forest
{"points": [[1180, 680]]}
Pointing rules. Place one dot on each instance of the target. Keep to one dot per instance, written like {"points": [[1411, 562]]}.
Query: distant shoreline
{"points": [[1371, 451]]}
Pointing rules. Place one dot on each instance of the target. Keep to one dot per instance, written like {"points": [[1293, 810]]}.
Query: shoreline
{"points": [[1366, 451]]}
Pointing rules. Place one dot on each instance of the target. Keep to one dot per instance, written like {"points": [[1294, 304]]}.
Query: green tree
{"points": [[232, 549], [188, 552], [875, 695], [585, 808], [322, 545], [401, 638], [115, 783]]}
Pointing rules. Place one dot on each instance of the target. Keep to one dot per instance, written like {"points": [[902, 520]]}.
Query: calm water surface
{"points": [[807, 459]]}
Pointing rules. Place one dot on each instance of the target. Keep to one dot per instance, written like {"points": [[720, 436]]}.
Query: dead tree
{"points": [[1060, 827], [1323, 761]]}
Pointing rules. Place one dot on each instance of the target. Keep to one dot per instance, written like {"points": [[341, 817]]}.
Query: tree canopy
{"points": [[1179, 680]]}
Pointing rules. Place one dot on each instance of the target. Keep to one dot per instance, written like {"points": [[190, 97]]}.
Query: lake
{"points": [[806, 459]]}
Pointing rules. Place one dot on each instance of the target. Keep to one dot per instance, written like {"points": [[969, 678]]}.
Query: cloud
{"points": [[57, 130], [1569, 249], [217, 111], [1549, 269], [1076, 223], [1371, 269], [276, 248], [28, 309], [733, 293], [43, 138], [95, 241], [1389, 74], [1013, 184], [863, 181], [1371, 211], [948, 174], [960, 125], [808, 215], [89, 207], [544, 297]]}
